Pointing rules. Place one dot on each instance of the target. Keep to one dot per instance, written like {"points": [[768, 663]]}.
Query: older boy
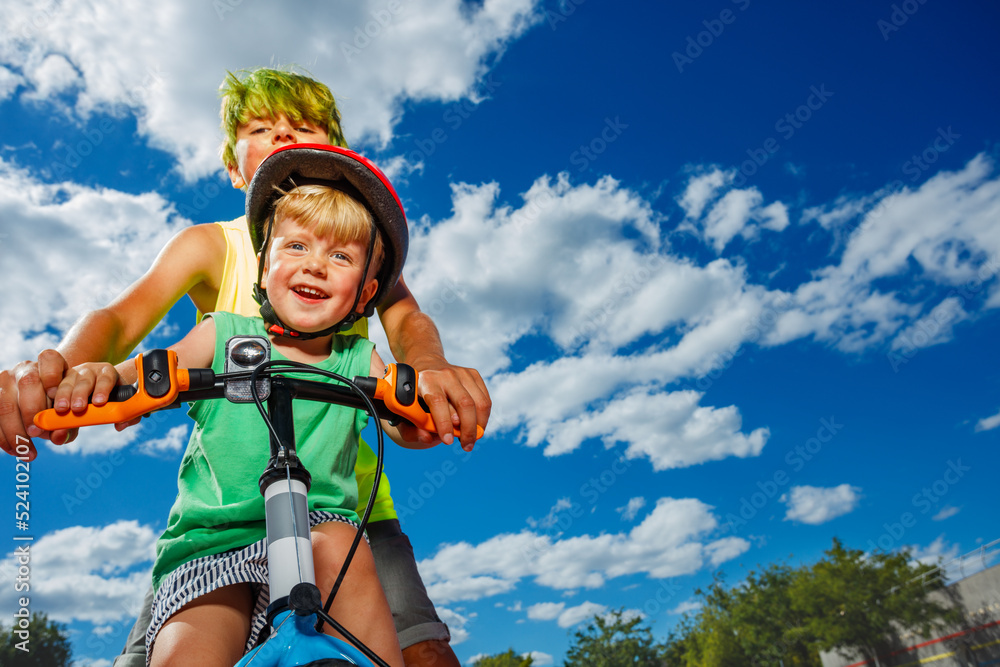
{"points": [[214, 265]]}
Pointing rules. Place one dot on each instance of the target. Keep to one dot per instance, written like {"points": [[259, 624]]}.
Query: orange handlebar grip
{"points": [[159, 382], [389, 391]]}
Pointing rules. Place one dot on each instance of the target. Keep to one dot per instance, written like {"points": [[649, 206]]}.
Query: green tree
{"points": [[45, 641], [677, 643], [714, 643], [854, 602], [771, 630], [713, 640], [508, 659], [614, 640]]}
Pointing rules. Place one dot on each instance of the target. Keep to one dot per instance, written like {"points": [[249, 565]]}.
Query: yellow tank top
{"points": [[236, 296]]}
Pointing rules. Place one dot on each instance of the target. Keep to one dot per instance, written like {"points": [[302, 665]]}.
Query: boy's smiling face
{"points": [[259, 137], [312, 281]]}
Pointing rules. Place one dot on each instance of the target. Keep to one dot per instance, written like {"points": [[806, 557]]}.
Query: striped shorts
{"points": [[204, 575]]}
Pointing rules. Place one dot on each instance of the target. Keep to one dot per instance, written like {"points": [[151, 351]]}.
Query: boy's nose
{"points": [[314, 265], [282, 131]]}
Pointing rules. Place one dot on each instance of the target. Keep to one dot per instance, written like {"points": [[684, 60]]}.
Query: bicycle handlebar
{"points": [[162, 385]]}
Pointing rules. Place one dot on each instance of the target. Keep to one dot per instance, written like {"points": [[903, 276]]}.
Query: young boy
{"points": [[215, 266], [322, 263]]}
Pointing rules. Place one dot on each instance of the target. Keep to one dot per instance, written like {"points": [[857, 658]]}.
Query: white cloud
{"points": [[944, 232], [738, 212], [104, 440], [53, 76], [477, 265], [86, 573], [730, 217], [59, 266], [934, 328], [674, 539], [816, 505], [565, 617], [546, 611], [580, 613], [988, 423], [946, 512], [725, 549], [843, 209], [685, 607], [701, 189], [487, 288], [164, 63], [99, 440], [456, 623], [470, 588], [938, 551], [9, 82], [174, 441], [669, 428], [774, 216], [552, 518], [631, 509]]}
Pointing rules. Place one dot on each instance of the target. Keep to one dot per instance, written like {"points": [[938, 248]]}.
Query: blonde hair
{"points": [[328, 212], [264, 93]]}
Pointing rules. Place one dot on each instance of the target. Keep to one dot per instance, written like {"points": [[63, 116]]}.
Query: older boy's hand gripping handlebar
{"points": [[397, 389], [161, 384]]}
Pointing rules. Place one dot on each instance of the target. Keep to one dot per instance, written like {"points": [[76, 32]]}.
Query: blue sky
{"points": [[730, 270]]}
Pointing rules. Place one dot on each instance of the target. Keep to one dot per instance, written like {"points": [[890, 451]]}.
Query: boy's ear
{"points": [[367, 293], [235, 176]]}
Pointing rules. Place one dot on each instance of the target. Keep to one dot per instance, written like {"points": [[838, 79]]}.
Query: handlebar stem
{"points": [[284, 462], [285, 486]]}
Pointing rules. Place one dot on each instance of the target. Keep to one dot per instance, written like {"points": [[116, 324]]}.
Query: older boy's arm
{"points": [[190, 263], [449, 391]]}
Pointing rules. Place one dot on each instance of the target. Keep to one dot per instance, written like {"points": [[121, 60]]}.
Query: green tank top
{"points": [[218, 506]]}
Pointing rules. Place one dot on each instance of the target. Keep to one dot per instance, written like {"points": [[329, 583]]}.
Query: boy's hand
{"points": [[455, 395], [91, 382], [25, 391]]}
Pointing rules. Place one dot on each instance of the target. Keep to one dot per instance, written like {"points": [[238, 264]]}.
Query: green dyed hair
{"points": [[264, 93]]}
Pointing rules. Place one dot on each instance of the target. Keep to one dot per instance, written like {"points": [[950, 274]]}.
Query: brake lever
{"points": [[397, 389]]}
